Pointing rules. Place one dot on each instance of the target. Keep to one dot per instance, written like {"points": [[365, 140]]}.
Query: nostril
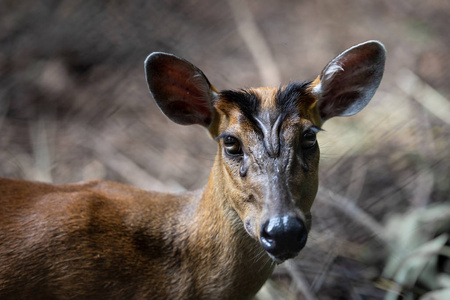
{"points": [[266, 237], [302, 237], [296, 229]]}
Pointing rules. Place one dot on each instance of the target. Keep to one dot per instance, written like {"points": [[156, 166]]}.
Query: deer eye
{"points": [[309, 139], [232, 146]]}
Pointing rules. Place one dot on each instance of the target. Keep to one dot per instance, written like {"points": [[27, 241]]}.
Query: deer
{"points": [[107, 240]]}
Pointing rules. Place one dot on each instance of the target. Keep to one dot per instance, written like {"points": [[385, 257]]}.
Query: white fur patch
{"points": [[317, 90], [332, 69]]}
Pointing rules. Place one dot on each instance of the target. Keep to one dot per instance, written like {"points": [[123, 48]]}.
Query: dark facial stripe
{"points": [[287, 99], [247, 101]]}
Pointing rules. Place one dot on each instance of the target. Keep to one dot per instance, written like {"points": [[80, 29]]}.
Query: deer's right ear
{"points": [[180, 89]]}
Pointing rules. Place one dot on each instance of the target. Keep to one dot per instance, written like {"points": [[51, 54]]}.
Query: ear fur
{"points": [[349, 81], [181, 90]]}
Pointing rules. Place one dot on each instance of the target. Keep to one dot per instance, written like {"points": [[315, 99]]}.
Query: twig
{"points": [[128, 169], [424, 94], [351, 209], [255, 42], [39, 135], [358, 176], [326, 266], [299, 279]]}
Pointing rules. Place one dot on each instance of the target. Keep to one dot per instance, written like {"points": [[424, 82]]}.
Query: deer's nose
{"points": [[283, 237]]}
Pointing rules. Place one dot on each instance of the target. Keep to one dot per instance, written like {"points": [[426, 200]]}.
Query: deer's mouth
{"points": [[282, 258]]}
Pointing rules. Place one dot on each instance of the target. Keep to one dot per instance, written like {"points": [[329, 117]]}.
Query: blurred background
{"points": [[74, 106]]}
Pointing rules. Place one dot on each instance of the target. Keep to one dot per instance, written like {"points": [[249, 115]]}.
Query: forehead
{"points": [[266, 105]]}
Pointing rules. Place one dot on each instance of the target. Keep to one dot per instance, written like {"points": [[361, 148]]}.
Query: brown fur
{"points": [[105, 240]]}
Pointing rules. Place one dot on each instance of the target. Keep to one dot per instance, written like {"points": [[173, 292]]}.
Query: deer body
{"points": [[120, 242], [105, 240]]}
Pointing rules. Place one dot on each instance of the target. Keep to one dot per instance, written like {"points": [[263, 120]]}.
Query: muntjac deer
{"points": [[106, 240]]}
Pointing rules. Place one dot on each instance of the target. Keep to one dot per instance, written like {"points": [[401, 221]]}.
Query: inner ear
{"points": [[180, 89]]}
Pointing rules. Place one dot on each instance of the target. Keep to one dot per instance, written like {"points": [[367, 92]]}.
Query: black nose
{"points": [[284, 237]]}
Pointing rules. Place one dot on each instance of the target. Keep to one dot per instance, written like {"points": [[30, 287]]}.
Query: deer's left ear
{"points": [[349, 81]]}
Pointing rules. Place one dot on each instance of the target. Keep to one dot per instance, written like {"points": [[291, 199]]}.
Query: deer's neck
{"points": [[228, 256]]}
